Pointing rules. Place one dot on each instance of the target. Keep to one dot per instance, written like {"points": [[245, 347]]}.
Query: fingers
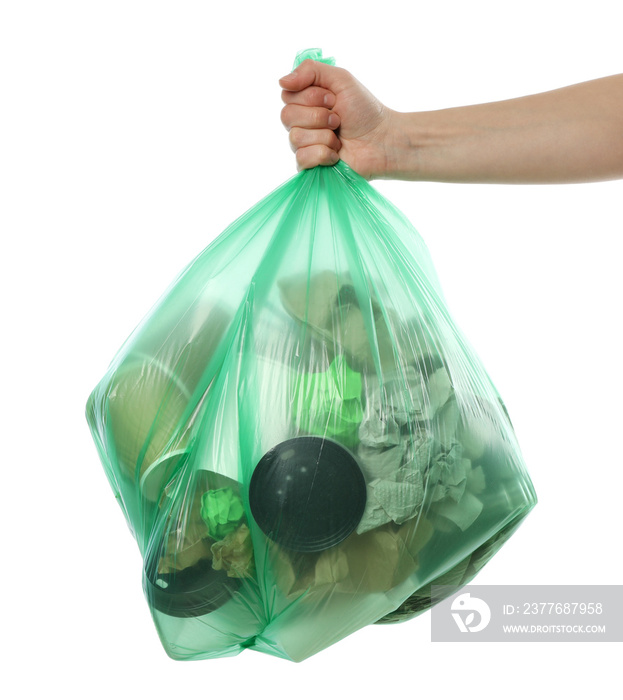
{"points": [[309, 93], [316, 73], [309, 117], [311, 156], [310, 97], [302, 138]]}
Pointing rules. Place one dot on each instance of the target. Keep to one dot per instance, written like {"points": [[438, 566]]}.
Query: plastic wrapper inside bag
{"points": [[300, 438]]}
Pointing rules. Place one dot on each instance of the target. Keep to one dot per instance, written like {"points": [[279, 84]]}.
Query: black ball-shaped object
{"points": [[307, 494]]}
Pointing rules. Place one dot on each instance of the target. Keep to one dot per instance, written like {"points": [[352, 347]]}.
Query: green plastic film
{"points": [[300, 438]]}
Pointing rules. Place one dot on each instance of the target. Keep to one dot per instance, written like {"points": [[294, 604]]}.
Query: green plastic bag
{"points": [[300, 438]]}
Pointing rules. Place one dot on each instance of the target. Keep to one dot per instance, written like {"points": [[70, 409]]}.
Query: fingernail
{"points": [[289, 76], [334, 121], [329, 99]]}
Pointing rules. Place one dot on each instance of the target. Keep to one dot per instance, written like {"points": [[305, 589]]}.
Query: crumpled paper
{"points": [[396, 446], [394, 481], [185, 547], [455, 484], [448, 474], [377, 431], [476, 431], [404, 398], [376, 561], [329, 403], [391, 501], [187, 541], [380, 463], [211, 525], [221, 511], [410, 452], [234, 553], [463, 514], [327, 304]]}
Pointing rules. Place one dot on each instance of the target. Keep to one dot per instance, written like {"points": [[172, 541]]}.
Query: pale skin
{"points": [[573, 134]]}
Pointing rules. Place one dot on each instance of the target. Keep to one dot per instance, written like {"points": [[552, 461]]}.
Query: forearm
{"points": [[574, 134]]}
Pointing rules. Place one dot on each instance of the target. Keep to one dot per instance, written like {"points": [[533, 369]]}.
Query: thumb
{"points": [[311, 72]]}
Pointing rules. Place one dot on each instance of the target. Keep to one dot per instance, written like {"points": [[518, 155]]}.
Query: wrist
{"points": [[433, 146], [404, 147]]}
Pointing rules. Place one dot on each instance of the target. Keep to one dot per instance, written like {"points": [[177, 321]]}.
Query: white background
{"points": [[131, 134]]}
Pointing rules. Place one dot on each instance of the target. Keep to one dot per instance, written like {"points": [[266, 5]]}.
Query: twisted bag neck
{"points": [[314, 54]]}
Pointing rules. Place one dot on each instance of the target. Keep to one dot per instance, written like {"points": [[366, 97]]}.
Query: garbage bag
{"points": [[301, 439]]}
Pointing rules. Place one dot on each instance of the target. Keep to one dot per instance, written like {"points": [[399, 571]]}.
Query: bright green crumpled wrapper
{"points": [[329, 403], [221, 511]]}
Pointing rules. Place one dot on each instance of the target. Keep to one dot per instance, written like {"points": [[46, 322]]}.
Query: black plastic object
{"points": [[194, 591], [307, 494]]}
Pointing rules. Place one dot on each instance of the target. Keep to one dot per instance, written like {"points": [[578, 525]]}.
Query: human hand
{"points": [[331, 116]]}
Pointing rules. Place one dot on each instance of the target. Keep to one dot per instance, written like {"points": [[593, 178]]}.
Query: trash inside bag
{"points": [[301, 439]]}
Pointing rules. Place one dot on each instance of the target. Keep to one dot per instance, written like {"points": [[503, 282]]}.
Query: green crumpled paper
{"points": [[388, 501], [395, 454], [454, 484], [329, 403], [404, 398], [448, 472], [221, 511], [394, 480]]}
